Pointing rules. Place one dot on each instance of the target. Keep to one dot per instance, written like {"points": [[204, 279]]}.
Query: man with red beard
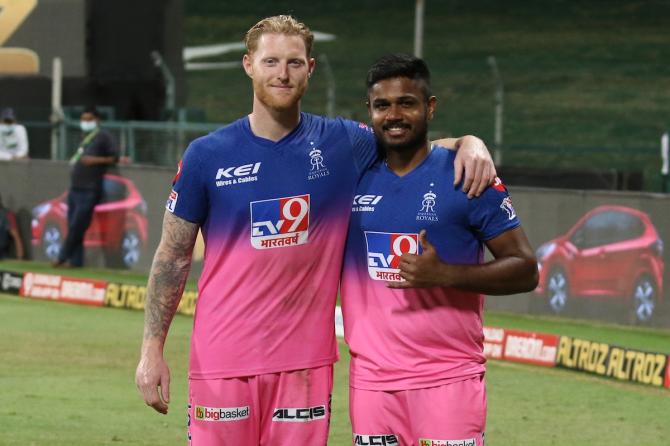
{"points": [[272, 194]]}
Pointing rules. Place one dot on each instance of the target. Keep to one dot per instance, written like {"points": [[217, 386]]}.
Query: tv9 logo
{"points": [[280, 222], [384, 252]]}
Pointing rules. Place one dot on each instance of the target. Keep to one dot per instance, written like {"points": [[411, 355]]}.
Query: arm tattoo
{"points": [[168, 275]]}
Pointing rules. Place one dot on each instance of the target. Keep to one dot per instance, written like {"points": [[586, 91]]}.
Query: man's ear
{"points": [[248, 65], [311, 64], [432, 104]]}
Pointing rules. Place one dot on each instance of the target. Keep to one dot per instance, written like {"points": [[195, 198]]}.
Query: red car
{"points": [[611, 251], [119, 223]]}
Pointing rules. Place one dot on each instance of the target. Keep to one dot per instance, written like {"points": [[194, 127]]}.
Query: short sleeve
{"points": [[188, 198], [492, 213], [364, 144]]}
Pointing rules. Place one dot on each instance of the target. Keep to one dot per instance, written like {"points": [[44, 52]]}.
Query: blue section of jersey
{"points": [[223, 172], [426, 199]]}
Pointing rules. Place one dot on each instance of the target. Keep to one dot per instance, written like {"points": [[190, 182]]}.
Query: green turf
{"points": [[67, 379], [583, 75]]}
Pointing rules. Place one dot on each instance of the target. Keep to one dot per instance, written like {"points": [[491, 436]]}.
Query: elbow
{"points": [[531, 276]]}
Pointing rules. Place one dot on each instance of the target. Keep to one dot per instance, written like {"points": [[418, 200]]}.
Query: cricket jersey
{"points": [[422, 337], [274, 217]]}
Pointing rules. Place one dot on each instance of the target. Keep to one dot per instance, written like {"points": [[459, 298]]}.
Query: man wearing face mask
{"points": [[13, 137], [89, 163]]}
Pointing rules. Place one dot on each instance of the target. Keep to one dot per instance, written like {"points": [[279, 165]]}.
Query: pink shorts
{"points": [[449, 415], [287, 408]]}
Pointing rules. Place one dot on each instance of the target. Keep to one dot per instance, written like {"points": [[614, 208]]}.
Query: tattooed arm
{"points": [[167, 279]]}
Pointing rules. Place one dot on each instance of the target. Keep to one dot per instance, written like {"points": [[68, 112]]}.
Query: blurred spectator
{"points": [[95, 154], [9, 232], [13, 137]]}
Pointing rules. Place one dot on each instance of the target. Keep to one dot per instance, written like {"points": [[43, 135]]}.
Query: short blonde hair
{"points": [[279, 24]]}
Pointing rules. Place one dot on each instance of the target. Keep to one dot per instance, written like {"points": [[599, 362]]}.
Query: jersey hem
{"points": [[262, 371], [400, 385]]}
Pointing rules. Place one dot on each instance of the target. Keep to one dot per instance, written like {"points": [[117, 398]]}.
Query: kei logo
{"points": [[280, 222], [384, 252]]}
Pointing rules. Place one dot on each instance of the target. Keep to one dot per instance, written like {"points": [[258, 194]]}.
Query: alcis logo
{"points": [[375, 440], [299, 415], [238, 171]]}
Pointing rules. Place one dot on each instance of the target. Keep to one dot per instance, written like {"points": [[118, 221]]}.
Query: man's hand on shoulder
{"points": [[473, 164]]}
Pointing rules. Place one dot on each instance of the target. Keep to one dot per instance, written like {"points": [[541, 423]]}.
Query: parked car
{"points": [[611, 251], [119, 225]]}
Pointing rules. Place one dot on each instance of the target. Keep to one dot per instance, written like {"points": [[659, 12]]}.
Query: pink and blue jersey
{"points": [[274, 218], [416, 338]]}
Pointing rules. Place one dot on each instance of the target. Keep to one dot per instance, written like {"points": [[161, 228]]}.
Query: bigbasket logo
{"points": [[384, 252], [376, 440], [466, 442], [299, 415], [280, 222], [203, 413]]}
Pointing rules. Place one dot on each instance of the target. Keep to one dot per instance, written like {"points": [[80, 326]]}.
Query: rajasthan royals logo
{"points": [[427, 212], [384, 252], [317, 167], [280, 222], [506, 206]]}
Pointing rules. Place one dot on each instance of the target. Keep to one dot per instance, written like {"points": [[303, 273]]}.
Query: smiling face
{"points": [[279, 68], [400, 113]]}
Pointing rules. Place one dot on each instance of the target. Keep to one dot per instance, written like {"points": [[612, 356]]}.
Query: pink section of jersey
{"points": [[410, 339], [273, 312]]}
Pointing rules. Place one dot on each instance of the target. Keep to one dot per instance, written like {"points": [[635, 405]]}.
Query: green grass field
{"points": [[67, 378]]}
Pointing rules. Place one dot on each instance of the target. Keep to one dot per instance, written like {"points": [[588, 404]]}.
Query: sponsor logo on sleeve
{"points": [[384, 252], [221, 414], [299, 414], [279, 223], [376, 439], [466, 442], [365, 203], [506, 205], [228, 176], [172, 201]]}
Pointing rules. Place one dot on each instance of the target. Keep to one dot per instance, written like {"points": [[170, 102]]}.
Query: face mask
{"points": [[87, 126]]}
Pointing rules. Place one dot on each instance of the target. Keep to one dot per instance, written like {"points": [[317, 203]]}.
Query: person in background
{"points": [[9, 232], [13, 137], [97, 151]]}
